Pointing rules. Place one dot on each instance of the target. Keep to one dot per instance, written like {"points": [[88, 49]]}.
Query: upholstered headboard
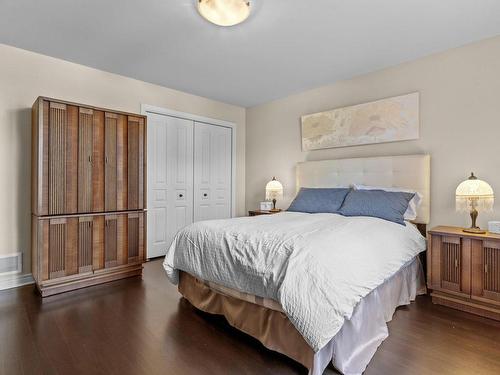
{"points": [[407, 171]]}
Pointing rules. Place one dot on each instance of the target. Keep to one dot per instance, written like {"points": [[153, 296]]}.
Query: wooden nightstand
{"points": [[463, 270], [259, 212]]}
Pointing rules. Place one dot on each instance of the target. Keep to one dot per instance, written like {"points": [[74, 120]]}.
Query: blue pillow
{"points": [[387, 205], [319, 200]]}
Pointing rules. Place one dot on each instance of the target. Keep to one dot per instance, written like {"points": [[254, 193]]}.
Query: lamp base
{"points": [[475, 230], [275, 210]]}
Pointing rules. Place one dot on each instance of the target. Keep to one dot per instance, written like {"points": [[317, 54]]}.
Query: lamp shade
{"points": [[274, 189], [474, 193]]}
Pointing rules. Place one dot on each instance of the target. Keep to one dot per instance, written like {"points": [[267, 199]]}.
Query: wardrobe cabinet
{"points": [[88, 196], [464, 270]]}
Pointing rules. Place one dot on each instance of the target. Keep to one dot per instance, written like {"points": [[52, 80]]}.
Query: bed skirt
{"points": [[349, 351]]}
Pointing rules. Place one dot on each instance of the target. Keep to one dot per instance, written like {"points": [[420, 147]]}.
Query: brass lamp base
{"points": [[476, 230]]}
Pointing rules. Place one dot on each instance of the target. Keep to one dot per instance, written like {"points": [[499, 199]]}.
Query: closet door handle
{"points": [[205, 194], [180, 195]]}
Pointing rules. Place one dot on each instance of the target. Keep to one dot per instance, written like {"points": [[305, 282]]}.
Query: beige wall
{"points": [[25, 75], [459, 115]]}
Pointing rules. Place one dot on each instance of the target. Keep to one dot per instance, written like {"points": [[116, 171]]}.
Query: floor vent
{"points": [[11, 264]]}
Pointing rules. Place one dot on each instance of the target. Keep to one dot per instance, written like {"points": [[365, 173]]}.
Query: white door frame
{"points": [[146, 108]]}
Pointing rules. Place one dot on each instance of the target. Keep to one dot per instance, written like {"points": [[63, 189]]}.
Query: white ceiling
{"points": [[286, 46]]}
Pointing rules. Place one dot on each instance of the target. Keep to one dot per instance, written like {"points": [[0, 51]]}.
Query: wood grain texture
{"points": [[57, 158], [110, 241], [142, 163], [98, 242], [465, 270], [122, 163], [122, 240], [43, 172], [98, 154], [85, 160], [71, 161], [111, 124], [80, 166], [71, 247], [85, 244], [144, 327], [133, 163]]}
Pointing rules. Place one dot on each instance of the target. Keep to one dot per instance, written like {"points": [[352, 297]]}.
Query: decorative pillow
{"points": [[387, 205], [411, 211], [319, 200]]}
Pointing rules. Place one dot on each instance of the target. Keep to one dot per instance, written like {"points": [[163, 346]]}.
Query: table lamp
{"points": [[274, 190], [472, 195]]}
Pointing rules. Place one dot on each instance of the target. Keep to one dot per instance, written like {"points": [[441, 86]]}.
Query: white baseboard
{"points": [[14, 281]]}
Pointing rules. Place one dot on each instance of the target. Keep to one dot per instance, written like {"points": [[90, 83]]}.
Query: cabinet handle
{"points": [[205, 194], [456, 262], [180, 195], [485, 268], [106, 159]]}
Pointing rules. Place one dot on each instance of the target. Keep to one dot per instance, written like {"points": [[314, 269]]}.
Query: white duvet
{"points": [[317, 266]]}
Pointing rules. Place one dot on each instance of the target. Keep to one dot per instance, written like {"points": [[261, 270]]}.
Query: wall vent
{"points": [[11, 264]]}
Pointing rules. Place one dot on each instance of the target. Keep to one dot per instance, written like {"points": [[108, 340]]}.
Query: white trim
{"points": [[146, 108], [16, 281]]}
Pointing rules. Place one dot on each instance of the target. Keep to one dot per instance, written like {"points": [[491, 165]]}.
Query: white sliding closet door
{"points": [[212, 171], [170, 180]]}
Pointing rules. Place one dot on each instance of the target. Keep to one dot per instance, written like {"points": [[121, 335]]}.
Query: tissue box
{"points": [[494, 227]]}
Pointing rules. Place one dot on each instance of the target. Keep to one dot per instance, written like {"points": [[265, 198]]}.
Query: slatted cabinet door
{"points": [[110, 129], [486, 270], [90, 161], [135, 163], [62, 257], [85, 244], [110, 241], [59, 155], [451, 264], [135, 236]]}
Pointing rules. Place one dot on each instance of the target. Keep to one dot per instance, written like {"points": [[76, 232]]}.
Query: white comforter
{"points": [[317, 266]]}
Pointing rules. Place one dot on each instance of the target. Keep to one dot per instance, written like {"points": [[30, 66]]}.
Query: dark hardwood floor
{"points": [[139, 326]]}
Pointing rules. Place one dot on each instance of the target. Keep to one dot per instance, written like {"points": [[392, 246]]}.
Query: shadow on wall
{"points": [[20, 120]]}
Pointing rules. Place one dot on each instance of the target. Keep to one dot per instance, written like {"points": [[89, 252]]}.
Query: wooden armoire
{"points": [[88, 195]]}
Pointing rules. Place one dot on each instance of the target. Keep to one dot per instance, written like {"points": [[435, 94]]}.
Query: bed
{"points": [[318, 288]]}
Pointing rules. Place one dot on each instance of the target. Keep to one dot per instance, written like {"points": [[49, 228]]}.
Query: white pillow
{"points": [[411, 211]]}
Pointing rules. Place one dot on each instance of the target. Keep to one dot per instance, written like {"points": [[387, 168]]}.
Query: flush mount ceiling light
{"points": [[224, 12]]}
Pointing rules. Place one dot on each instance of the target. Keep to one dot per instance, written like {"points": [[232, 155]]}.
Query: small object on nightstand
{"points": [[494, 227], [262, 212], [266, 206], [463, 270], [471, 195], [274, 190]]}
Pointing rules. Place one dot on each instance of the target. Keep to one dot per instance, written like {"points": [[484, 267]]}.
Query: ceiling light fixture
{"points": [[224, 12]]}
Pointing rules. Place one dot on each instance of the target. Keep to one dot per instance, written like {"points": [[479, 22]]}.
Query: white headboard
{"points": [[407, 171]]}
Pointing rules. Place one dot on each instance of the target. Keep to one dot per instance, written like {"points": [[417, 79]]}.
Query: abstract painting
{"points": [[386, 120]]}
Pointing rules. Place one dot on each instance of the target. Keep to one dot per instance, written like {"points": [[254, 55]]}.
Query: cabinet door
{"points": [[85, 244], [59, 155], [486, 269], [110, 243], [116, 154], [212, 172], [116, 240], [90, 161], [60, 256], [450, 263], [170, 180], [135, 163], [135, 237]]}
